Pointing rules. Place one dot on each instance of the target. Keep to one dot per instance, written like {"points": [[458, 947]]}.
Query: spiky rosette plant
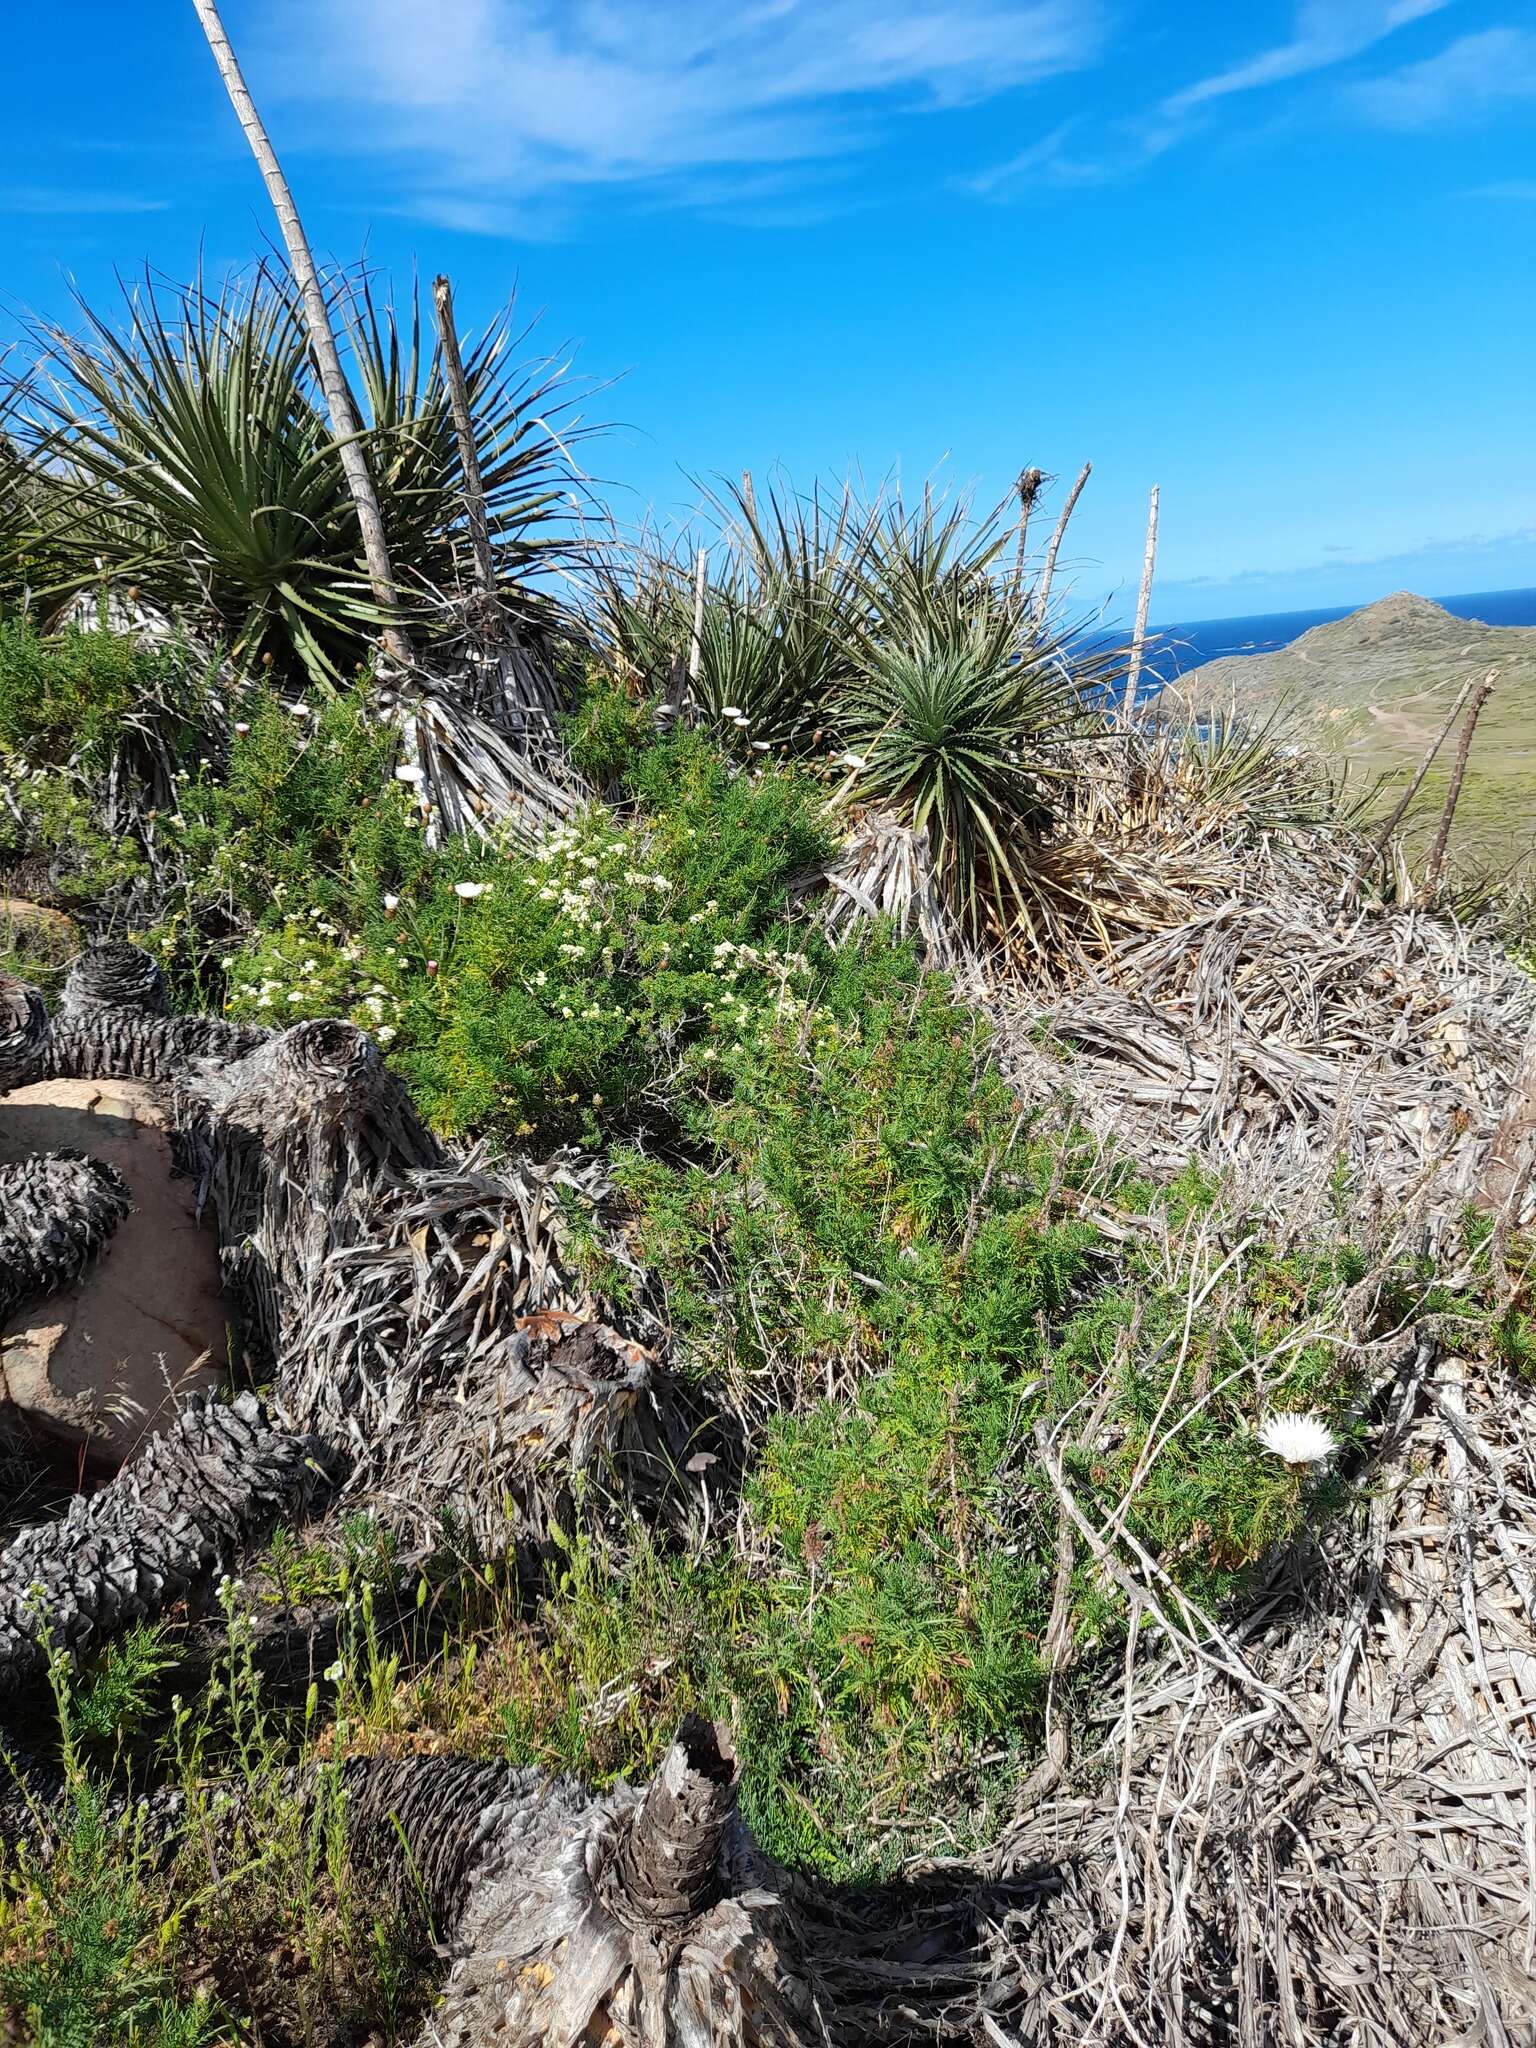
{"points": [[962, 738], [782, 590], [193, 460]]}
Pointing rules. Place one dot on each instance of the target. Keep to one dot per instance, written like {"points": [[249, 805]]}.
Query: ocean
{"points": [[1177, 648]]}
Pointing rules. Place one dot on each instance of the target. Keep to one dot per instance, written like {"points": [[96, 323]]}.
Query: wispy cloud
{"points": [[58, 199], [1519, 189], [1326, 32], [1467, 80], [493, 103], [1060, 162]]}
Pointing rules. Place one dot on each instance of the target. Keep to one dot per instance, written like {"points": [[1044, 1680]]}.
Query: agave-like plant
{"points": [[779, 598], [962, 736], [192, 458], [525, 427]]}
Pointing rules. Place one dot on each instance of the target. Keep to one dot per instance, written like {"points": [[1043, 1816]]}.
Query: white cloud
{"points": [[56, 199], [1504, 188], [1327, 32], [1113, 153], [491, 102], [1468, 79]]}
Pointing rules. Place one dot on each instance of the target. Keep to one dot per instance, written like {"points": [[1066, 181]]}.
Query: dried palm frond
{"points": [[1268, 1035], [884, 869], [1319, 1821]]}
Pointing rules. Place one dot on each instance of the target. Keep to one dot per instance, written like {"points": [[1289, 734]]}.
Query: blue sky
{"points": [[1278, 258]]}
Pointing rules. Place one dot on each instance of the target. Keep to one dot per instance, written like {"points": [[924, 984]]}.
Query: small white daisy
{"points": [[1298, 1440], [470, 890]]}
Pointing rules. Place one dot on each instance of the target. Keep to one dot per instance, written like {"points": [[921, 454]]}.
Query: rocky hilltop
{"points": [[1373, 690]]}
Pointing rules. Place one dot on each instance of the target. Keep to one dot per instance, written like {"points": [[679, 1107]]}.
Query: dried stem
{"points": [[1143, 605], [345, 424], [1047, 574], [464, 428], [1436, 861]]}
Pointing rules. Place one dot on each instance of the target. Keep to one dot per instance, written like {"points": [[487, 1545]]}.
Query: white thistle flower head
{"points": [[408, 773], [391, 905], [470, 890], [851, 761], [1298, 1440], [730, 711]]}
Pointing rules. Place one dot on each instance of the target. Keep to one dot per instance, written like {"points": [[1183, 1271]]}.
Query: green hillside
{"points": [[1374, 690]]}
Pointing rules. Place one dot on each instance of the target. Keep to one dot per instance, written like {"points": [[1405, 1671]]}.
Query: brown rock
{"points": [[16, 914], [103, 1364]]}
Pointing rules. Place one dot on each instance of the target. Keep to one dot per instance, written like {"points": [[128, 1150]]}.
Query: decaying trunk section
{"points": [[23, 1032], [185, 1510], [114, 975], [410, 1309], [107, 1044], [646, 1917], [56, 1213], [413, 1309], [666, 1870]]}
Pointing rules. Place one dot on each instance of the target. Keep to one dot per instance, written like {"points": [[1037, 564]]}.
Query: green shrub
{"points": [[79, 1959]]}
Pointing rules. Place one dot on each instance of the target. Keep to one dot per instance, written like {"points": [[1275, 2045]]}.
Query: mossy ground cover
{"points": [[905, 1283]]}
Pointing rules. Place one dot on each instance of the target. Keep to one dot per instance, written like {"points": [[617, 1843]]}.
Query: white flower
{"points": [[242, 730], [391, 905], [407, 774], [385, 1033], [730, 711], [1298, 1439], [470, 890], [852, 761]]}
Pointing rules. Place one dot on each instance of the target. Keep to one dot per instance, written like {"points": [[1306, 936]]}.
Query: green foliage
{"points": [[110, 1707], [79, 1956], [957, 738], [606, 727], [92, 700], [190, 454], [555, 997]]}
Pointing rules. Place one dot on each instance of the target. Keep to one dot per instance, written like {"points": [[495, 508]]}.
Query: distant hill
{"points": [[1374, 689]]}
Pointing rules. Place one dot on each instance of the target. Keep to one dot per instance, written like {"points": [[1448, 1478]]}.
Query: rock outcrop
{"points": [[102, 1358]]}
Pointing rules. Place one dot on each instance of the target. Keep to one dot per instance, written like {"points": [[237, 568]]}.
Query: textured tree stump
{"points": [[56, 1213], [23, 1031], [643, 1917], [161, 1531]]}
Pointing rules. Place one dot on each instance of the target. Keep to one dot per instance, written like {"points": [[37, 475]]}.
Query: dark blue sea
{"points": [[1173, 649]]}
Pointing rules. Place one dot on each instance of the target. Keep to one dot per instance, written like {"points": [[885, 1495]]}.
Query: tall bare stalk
{"points": [[464, 429], [1143, 605], [345, 424], [1031, 482], [1383, 838], [1436, 859], [1047, 574], [696, 642]]}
